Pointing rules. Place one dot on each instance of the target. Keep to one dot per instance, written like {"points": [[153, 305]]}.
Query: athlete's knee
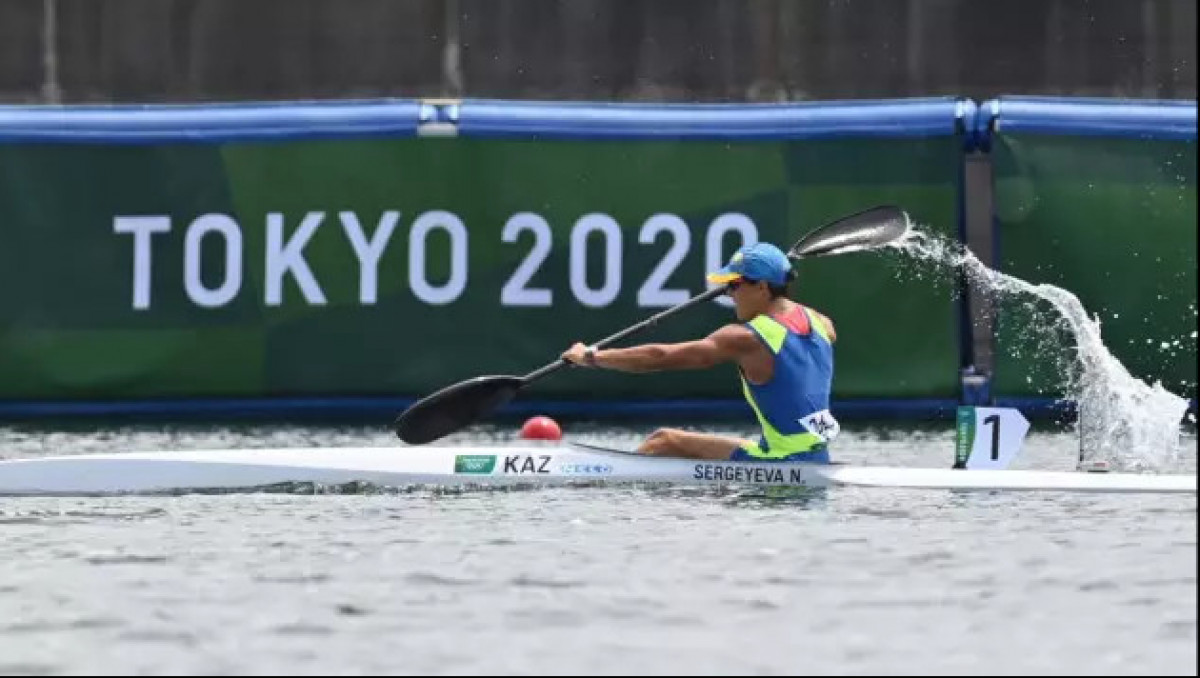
{"points": [[663, 440]]}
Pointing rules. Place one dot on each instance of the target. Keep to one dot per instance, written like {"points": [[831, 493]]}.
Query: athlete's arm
{"points": [[727, 344]]}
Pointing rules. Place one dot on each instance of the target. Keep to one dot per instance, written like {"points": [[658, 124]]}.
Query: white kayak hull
{"points": [[247, 469]]}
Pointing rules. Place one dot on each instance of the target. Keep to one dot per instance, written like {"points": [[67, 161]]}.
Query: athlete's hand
{"points": [[577, 354]]}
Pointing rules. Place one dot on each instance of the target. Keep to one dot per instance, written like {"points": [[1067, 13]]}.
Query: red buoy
{"points": [[541, 428]]}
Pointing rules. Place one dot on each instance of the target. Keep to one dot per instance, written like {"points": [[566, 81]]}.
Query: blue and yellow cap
{"points": [[760, 261]]}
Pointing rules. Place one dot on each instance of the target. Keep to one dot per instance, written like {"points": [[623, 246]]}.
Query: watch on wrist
{"points": [[589, 356]]}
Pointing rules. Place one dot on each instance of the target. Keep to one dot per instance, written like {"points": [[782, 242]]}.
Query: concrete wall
{"points": [[666, 50]]}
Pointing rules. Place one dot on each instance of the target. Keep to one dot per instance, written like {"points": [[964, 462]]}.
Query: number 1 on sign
{"points": [[975, 451], [994, 420]]}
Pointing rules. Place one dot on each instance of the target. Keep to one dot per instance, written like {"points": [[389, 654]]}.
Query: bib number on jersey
{"points": [[822, 424]]}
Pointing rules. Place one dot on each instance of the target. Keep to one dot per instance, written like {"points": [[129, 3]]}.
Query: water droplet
{"points": [[1138, 424]]}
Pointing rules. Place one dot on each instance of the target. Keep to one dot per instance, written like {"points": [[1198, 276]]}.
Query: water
{"points": [[625, 580], [595, 580], [1132, 425]]}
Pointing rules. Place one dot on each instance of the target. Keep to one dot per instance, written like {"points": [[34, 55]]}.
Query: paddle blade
{"points": [[454, 407], [862, 231]]}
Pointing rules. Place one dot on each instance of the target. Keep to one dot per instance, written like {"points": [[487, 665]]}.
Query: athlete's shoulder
{"points": [[735, 335], [733, 331], [825, 322]]}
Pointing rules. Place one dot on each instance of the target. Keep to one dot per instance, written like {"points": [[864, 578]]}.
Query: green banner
{"points": [[964, 435], [1113, 220], [395, 266]]}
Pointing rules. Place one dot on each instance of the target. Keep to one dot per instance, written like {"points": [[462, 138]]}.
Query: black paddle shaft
{"points": [[628, 331]]}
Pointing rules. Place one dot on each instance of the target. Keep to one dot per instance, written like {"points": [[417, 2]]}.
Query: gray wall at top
{"points": [[660, 50]]}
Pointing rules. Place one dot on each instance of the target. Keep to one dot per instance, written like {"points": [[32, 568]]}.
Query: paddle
{"points": [[457, 405]]}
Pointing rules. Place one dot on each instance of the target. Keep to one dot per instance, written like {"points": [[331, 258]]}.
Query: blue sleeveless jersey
{"points": [[793, 407]]}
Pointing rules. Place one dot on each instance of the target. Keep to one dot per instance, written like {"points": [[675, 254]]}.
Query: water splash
{"points": [[1131, 425]]}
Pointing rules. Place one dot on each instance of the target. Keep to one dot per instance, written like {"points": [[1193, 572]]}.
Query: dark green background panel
{"points": [[1113, 221]]}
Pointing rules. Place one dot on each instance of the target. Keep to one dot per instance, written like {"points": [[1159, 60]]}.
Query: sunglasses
{"points": [[734, 284]]}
